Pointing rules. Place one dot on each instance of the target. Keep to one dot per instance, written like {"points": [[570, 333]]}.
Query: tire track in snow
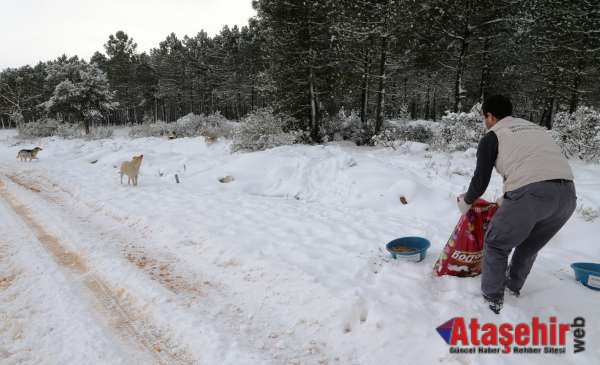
{"points": [[128, 322], [159, 270], [163, 268]]}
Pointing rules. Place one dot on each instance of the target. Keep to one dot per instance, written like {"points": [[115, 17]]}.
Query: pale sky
{"points": [[42, 30]]}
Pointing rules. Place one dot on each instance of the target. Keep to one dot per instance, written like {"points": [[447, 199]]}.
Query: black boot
{"points": [[495, 304]]}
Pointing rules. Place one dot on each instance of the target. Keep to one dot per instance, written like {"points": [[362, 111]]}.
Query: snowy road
{"points": [[136, 297], [126, 335]]}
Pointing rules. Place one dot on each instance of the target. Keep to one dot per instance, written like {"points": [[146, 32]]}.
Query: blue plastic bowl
{"points": [[588, 274], [420, 245]]}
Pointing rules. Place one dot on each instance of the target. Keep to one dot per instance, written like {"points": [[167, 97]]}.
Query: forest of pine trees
{"points": [[309, 59]]}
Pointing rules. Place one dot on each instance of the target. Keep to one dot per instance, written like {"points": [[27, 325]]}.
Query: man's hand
{"points": [[462, 205]]}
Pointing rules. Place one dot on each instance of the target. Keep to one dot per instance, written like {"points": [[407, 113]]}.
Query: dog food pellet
{"points": [[403, 249]]}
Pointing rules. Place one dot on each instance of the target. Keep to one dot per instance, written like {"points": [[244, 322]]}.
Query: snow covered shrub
{"points": [[458, 132], [389, 137], [344, 126], [393, 136], [188, 125], [403, 112], [416, 133], [588, 214], [157, 129], [223, 130], [330, 129], [51, 127], [213, 126], [214, 119], [44, 127], [191, 125], [100, 132], [263, 129], [578, 134], [68, 130], [217, 126]]}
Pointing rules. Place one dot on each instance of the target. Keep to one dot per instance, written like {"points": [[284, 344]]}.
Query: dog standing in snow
{"points": [[131, 169], [25, 155]]}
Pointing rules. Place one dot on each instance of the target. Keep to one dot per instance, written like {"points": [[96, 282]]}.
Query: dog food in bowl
{"points": [[408, 248], [403, 249]]}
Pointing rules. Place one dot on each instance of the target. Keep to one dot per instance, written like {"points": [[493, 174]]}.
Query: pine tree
{"points": [[563, 45], [21, 90], [120, 67], [82, 92], [168, 61], [299, 42]]}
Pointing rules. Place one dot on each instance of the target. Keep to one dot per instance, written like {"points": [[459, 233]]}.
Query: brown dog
{"points": [[131, 169]]}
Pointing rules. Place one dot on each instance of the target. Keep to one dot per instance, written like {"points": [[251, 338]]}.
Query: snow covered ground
{"points": [[284, 265]]}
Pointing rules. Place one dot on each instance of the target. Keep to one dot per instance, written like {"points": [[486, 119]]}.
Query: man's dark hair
{"points": [[498, 105]]}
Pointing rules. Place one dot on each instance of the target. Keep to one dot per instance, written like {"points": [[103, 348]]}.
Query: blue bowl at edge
{"points": [[587, 273], [420, 245]]}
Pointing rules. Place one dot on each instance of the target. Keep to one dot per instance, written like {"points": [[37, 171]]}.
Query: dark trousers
{"points": [[527, 219]]}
